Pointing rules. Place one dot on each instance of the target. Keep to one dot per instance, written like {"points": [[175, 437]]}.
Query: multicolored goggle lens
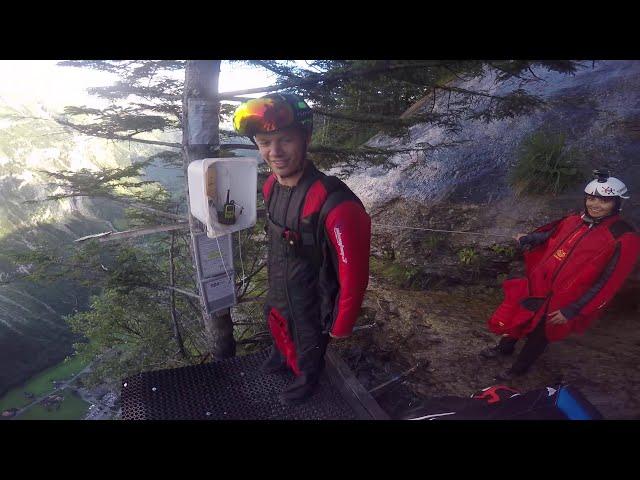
{"points": [[262, 115]]}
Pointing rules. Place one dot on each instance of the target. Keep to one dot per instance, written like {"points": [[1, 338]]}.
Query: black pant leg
{"points": [[507, 345], [534, 347], [311, 360]]}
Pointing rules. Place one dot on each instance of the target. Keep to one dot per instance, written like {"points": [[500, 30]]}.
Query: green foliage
{"points": [[130, 324], [52, 262], [468, 256], [393, 272], [169, 158], [71, 408], [130, 331], [253, 246], [433, 242], [546, 165], [133, 268], [355, 99], [131, 309], [226, 112], [42, 383], [153, 94], [504, 250], [122, 184], [518, 102], [367, 97], [388, 252]]}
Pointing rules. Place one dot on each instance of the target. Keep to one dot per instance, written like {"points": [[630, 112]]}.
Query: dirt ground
{"points": [[442, 331]]}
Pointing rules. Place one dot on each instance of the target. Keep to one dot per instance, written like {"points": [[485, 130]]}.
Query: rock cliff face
{"points": [[465, 187], [598, 108]]}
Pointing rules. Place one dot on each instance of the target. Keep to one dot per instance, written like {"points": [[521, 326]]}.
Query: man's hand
{"points": [[556, 318]]}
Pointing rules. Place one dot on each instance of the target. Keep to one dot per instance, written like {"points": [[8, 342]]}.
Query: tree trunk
{"points": [[198, 142]]}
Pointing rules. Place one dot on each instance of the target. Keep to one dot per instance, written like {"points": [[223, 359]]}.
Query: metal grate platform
{"points": [[234, 389]]}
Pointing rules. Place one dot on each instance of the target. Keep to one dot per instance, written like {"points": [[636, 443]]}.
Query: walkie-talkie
{"points": [[228, 214]]}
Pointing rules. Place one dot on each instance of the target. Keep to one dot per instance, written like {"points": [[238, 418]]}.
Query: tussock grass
{"points": [[546, 165]]}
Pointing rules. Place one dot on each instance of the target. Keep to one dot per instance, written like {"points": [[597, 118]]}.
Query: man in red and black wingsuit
{"points": [[574, 267], [319, 242]]}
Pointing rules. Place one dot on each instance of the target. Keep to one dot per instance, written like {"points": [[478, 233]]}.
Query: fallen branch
{"points": [[382, 387], [138, 232], [184, 292], [96, 235]]}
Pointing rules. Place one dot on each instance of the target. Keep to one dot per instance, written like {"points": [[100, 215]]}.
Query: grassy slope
{"points": [[42, 383], [72, 408]]}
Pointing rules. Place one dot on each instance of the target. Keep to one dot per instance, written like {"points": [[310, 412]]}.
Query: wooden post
{"points": [[200, 139]]}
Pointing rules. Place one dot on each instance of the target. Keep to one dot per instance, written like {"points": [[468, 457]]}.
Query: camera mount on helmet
{"points": [[601, 174]]}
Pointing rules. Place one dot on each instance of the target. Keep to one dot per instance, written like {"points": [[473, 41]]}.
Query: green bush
{"points": [[467, 256], [399, 274], [433, 242], [504, 250], [546, 165]]}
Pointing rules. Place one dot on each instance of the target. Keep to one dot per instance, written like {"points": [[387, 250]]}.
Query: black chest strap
{"points": [[290, 231], [304, 237]]}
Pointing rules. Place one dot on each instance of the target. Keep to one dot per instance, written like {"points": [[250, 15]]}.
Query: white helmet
{"points": [[606, 186]]}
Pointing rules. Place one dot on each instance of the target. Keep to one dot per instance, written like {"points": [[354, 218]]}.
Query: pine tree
{"points": [[138, 271], [355, 99]]}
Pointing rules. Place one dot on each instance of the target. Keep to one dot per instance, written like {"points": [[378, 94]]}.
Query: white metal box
{"points": [[211, 180]]}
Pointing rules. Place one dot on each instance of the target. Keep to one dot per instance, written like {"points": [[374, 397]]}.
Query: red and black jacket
{"points": [[318, 266]]}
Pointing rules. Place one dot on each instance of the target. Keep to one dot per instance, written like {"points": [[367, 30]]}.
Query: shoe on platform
{"points": [[298, 391]]}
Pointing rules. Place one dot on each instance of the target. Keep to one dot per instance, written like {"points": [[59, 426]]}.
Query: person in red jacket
{"points": [[319, 238], [574, 267]]}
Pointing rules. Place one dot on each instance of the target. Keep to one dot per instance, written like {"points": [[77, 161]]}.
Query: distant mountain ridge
{"points": [[33, 334]]}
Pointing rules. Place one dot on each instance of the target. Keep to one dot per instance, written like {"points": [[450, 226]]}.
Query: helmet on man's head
{"points": [[605, 186], [272, 113]]}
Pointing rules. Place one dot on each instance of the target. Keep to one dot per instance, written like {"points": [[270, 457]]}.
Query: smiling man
{"points": [[574, 266], [319, 240]]}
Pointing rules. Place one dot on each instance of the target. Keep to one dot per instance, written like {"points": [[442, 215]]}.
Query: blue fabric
{"points": [[571, 407]]}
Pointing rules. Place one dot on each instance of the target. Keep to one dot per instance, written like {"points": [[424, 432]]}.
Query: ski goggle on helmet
{"points": [[271, 113], [605, 186]]}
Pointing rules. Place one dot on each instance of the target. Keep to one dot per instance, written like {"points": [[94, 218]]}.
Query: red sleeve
{"points": [[550, 226], [348, 228], [629, 245]]}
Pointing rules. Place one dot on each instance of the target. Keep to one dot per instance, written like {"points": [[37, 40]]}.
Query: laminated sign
{"points": [[214, 261], [219, 292], [213, 255]]}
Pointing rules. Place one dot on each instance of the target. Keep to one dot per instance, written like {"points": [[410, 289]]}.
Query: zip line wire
{"points": [[438, 230]]}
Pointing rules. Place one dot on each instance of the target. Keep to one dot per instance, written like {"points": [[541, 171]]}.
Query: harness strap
{"points": [[306, 240]]}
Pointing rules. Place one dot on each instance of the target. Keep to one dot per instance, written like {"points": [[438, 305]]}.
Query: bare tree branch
{"points": [[237, 146], [114, 136], [138, 232], [184, 292], [331, 77]]}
